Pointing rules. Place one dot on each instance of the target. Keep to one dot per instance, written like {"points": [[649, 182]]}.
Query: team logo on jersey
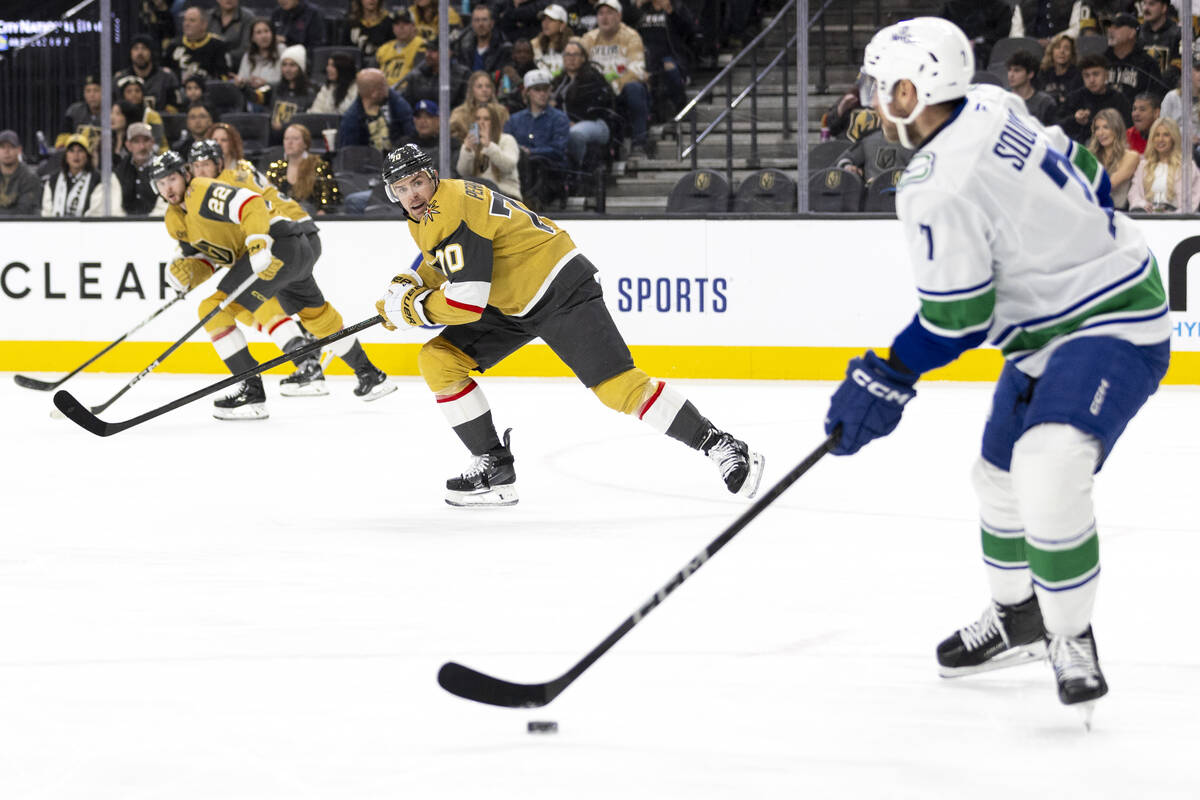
{"points": [[903, 35], [430, 210], [919, 168], [703, 180]]}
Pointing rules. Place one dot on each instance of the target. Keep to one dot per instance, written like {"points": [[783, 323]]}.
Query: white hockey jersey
{"points": [[1013, 239]]}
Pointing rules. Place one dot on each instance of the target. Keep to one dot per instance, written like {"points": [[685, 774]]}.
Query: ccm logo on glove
{"points": [[881, 390]]}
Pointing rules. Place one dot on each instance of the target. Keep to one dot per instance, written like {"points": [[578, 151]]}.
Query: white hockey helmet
{"points": [[930, 52]]}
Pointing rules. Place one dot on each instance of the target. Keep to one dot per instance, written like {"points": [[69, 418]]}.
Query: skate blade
{"points": [[311, 389], [378, 391], [753, 475], [502, 496], [1024, 654], [1085, 710], [251, 412]]}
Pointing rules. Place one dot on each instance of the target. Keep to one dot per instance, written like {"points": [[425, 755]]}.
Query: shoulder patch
{"points": [[920, 168]]}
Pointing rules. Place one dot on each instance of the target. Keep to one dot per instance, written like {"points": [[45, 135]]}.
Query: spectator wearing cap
{"points": [[130, 89], [422, 82], [160, 85], [1059, 74], [480, 92], [541, 132], [82, 113], [548, 45], [1045, 19], [668, 32], [20, 188], [483, 47], [1022, 69], [1130, 69], [583, 94], [490, 155], [618, 52], [1075, 116], [370, 26], [518, 19], [197, 51], [74, 191], [298, 22], [427, 127], [380, 117], [1159, 37], [293, 94], [232, 25], [132, 171], [397, 57], [1146, 110]]}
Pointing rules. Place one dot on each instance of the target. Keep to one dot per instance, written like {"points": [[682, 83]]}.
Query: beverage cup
{"points": [[330, 135]]}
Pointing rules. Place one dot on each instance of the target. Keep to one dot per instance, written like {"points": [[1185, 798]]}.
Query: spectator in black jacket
{"points": [[668, 32], [582, 93], [1059, 76], [483, 47], [518, 19], [138, 195], [197, 51], [1159, 36], [20, 188], [1022, 68], [161, 85], [1130, 68], [298, 22], [422, 82], [1075, 116]]}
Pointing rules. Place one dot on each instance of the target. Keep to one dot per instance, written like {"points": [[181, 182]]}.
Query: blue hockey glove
{"points": [[869, 402]]}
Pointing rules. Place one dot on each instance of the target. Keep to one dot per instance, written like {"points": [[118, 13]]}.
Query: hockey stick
{"points": [[43, 386], [474, 685], [73, 410], [154, 364]]}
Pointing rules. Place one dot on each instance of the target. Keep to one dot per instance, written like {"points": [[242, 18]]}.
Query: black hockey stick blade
{"points": [[471, 684], [33, 383], [80, 414]]}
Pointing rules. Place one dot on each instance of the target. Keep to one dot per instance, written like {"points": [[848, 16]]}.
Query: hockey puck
{"points": [[56, 414], [542, 727]]}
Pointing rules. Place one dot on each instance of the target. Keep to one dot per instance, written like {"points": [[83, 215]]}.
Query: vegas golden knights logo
{"points": [[766, 181], [833, 179], [703, 181]]}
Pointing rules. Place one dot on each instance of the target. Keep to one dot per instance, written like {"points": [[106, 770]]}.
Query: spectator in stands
{"points": [[119, 118], [1172, 104], [232, 148], [483, 47], [200, 117], [302, 176], [542, 133], [259, 69], [583, 94], [518, 19], [340, 90], [1075, 116], [1130, 69], [425, 16], [668, 32], [232, 24], [480, 92], [422, 82], [293, 94], [74, 191], [1157, 185], [873, 155], [380, 117], [20, 188], [156, 18], [397, 57], [427, 129], [198, 52], [130, 90], [617, 51], [1159, 37], [1022, 69], [1059, 76], [489, 154], [1046, 19], [192, 91], [1146, 109], [511, 90], [370, 26], [549, 44], [298, 22], [984, 22], [132, 169], [160, 85], [85, 112], [1114, 154]]}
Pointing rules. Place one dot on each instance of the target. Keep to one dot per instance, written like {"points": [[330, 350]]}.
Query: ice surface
{"points": [[197, 609]]}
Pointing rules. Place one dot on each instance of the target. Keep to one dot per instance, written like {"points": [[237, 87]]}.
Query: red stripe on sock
{"points": [[463, 306], [470, 387], [224, 333], [277, 324], [650, 402]]}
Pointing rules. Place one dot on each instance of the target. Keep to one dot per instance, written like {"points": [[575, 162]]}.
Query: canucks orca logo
{"points": [[903, 35]]}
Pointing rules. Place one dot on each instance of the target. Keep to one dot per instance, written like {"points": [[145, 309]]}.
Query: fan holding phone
{"points": [[489, 154]]}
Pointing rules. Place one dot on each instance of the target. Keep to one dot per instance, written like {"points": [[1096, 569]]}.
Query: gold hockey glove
{"points": [[187, 273]]}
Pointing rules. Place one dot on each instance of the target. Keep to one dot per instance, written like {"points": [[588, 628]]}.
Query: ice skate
{"points": [[1077, 670], [741, 468], [373, 384], [489, 481], [1005, 636], [246, 400], [307, 381]]}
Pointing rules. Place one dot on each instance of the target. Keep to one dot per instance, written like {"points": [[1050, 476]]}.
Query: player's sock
{"points": [[470, 416]]}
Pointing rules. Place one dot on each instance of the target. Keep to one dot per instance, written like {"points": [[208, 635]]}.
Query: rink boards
{"points": [[760, 299]]}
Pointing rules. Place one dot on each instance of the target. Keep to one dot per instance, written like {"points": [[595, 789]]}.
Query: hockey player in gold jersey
{"points": [[498, 275], [207, 160]]}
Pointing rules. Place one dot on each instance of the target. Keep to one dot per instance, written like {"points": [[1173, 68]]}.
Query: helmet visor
{"points": [[868, 87]]}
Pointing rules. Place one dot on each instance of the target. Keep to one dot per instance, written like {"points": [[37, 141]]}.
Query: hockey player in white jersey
{"points": [[1014, 242]]}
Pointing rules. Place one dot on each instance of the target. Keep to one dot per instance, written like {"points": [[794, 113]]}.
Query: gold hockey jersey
{"points": [[244, 175], [483, 248], [216, 218]]}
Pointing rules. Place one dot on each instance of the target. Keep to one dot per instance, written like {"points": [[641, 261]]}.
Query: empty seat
{"points": [[765, 190], [358, 158], [989, 77], [1011, 44], [224, 96], [835, 190], [269, 155], [699, 191], [881, 192], [826, 154], [255, 129], [1091, 44], [315, 124]]}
